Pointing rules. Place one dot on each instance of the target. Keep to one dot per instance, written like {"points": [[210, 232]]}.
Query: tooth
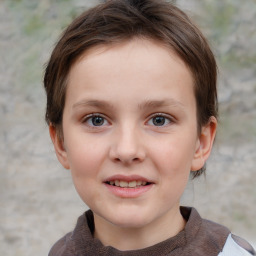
{"points": [[123, 184], [143, 183], [138, 183], [117, 183], [132, 184], [111, 182]]}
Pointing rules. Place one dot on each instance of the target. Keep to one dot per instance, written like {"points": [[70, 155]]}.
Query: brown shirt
{"points": [[200, 237]]}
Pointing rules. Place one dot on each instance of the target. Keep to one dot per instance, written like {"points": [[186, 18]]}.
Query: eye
{"points": [[95, 120], [159, 120]]}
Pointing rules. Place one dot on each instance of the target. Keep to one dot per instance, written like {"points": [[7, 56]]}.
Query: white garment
{"points": [[231, 248]]}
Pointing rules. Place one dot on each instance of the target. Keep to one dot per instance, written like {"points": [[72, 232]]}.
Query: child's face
{"points": [[130, 118]]}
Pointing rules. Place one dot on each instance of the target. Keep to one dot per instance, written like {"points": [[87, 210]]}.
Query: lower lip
{"points": [[128, 192]]}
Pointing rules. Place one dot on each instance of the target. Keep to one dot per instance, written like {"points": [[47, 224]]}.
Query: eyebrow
{"points": [[144, 105], [161, 103], [93, 103]]}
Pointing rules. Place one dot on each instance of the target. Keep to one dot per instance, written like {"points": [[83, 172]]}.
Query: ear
{"points": [[58, 144], [204, 144]]}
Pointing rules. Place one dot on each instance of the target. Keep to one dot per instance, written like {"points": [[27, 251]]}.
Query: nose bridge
{"points": [[127, 146]]}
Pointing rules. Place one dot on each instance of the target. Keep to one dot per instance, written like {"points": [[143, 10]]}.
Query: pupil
{"points": [[97, 121], [159, 120]]}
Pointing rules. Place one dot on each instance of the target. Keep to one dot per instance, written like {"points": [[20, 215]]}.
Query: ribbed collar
{"points": [[85, 244]]}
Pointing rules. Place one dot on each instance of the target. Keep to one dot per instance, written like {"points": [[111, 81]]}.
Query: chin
{"points": [[130, 224], [129, 220]]}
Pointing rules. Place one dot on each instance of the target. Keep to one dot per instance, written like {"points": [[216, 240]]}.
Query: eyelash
{"points": [[166, 116], [89, 118]]}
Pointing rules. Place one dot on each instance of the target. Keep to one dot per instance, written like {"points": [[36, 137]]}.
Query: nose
{"points": [[127, 146]]}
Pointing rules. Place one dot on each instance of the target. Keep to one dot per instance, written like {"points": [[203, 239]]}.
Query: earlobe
{"points": [[204, 144], [58, 144]]}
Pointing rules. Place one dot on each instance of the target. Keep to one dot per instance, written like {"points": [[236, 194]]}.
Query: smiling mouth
{"points": [[126, 184]]}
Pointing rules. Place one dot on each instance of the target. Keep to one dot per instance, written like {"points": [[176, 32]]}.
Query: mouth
{"points": [[133, 186], [128, 184]]}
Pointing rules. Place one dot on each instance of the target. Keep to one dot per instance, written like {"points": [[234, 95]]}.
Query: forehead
{"points": [[144, 53], [132, 67]]}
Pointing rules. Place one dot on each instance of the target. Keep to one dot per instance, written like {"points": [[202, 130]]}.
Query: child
{"points": [[132, 110]]}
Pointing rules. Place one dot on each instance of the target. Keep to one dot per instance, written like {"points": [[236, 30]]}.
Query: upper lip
{"points": [[127, 178]]}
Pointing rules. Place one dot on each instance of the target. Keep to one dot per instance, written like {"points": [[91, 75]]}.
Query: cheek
{"points": [[174, 156], [86, 160], [174, 171], [85, 157]]}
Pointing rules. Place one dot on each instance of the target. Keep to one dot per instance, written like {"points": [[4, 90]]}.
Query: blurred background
{"points": [[38, 203]]}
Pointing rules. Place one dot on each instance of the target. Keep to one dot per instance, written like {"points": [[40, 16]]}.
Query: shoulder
{"points": [[72, 242], [61, 246], [204, 237], [214, 233], [234, 245], [215, 239], [237, 246]]}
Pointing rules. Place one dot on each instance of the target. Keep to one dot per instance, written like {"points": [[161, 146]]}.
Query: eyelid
{"points": [[167, 116], [162, 114], [88, 116]]}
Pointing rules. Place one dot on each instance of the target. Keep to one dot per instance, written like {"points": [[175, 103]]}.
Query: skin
{"points": [[130, 86]]}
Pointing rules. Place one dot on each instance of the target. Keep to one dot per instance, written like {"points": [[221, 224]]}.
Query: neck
{"points": [[124, 239]]}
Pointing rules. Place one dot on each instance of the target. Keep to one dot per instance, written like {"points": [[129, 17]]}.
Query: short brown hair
{"points": [[119, 20]]}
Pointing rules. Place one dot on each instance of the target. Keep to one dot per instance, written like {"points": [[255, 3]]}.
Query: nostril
{"points": [[136, 159], [126, 155], [117, 159]]}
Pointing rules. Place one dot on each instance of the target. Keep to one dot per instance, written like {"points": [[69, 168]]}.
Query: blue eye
{"points": [[159, 120], [95, 120]]}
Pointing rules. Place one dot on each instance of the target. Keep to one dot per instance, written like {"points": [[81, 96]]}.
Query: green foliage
{"points": [[38, 23], [223, 25], [33, 24], [218, 16], [221, 17]]}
